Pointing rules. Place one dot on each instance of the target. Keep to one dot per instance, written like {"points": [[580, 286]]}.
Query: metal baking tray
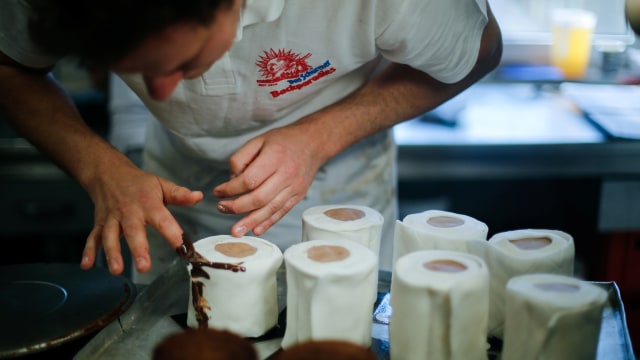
{"points": [[614, 342], [159, 311]]}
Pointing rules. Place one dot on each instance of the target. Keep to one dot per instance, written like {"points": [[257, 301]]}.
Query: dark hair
{"points": [[100, 32]]}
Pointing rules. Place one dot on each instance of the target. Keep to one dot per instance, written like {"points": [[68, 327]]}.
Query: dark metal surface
{"points": [[614, 341], [153, 317], [511, 131], [45, 305]]}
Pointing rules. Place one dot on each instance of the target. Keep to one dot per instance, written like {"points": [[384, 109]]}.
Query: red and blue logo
{"points": [[278, 66]]}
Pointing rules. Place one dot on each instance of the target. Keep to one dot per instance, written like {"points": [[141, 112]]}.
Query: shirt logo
{"points": [[285, 66]]}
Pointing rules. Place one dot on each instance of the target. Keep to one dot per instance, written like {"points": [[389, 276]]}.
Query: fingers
{"points": [[94, 241], [162, 219], [168, 227], [128, 214], [242, 158], [107, 236], [267, 189], [251, 179], [265, 205], [246, 173], [111, 244], [134, 231], [260, 220], [254, 193], [276, 216], [136, 236], [179, 195]]}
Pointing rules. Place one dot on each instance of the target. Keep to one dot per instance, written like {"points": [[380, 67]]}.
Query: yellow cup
{"points": [[572, 31]]}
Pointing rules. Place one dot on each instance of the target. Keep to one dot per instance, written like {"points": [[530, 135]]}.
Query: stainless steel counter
{"points": [[153, 315], [510, 131]]}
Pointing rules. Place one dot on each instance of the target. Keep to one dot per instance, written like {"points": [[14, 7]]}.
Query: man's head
{"points": [[102, 31], [164, 40]]}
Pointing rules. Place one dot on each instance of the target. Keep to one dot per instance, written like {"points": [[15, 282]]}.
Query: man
{"points": [[275, 106]]}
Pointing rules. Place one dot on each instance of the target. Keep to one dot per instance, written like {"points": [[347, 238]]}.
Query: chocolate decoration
{"points": [[188, 252], [217, 265], [185, 250], [197, 299], [199, 273]]}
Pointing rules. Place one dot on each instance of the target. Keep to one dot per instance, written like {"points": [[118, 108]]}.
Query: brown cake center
{"points": [[449, 266], [236, 249], [533, 243], [345, 214], [444, 221], [327, 253], [557, 287]]}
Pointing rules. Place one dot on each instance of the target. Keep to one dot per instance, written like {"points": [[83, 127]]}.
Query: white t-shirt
{"points": [[290, 59], [299, 56]]}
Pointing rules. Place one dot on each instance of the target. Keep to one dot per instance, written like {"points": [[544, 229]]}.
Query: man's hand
{"points": [[125, 202], [270, 174]]}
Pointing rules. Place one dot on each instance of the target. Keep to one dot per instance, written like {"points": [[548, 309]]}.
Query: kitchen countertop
{"points": [[518, 130], [153, 316]]}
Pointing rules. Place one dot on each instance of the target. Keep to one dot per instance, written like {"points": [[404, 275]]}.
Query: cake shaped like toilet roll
{"points": [[361, 224], [440, 304], [551, 316], [236, 290], [439, 230], [331, 289], [520, 252]]}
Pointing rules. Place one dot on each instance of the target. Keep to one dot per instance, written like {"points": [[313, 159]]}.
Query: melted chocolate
{"points": [[198, 300], [198, 262], [198, 265], [198, 272]]}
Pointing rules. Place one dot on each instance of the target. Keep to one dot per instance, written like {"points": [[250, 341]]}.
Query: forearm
{"points": [[395, 94], [126, 199], [41, 112]]}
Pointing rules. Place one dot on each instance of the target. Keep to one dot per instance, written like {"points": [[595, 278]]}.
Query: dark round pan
{"points": [[45, 305]]}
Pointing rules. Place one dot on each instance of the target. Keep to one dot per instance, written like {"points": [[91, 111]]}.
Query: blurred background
{"points": [[524, 148]]}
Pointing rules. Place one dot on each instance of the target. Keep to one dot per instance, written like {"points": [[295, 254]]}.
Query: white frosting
{"points": [[506, 260], [366, 230], [330, 300], [416, 233], [242, 302], [436, 314], [543, 323]]}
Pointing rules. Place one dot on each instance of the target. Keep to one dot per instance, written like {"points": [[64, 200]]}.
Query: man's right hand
{"points": [[126, 201]]}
